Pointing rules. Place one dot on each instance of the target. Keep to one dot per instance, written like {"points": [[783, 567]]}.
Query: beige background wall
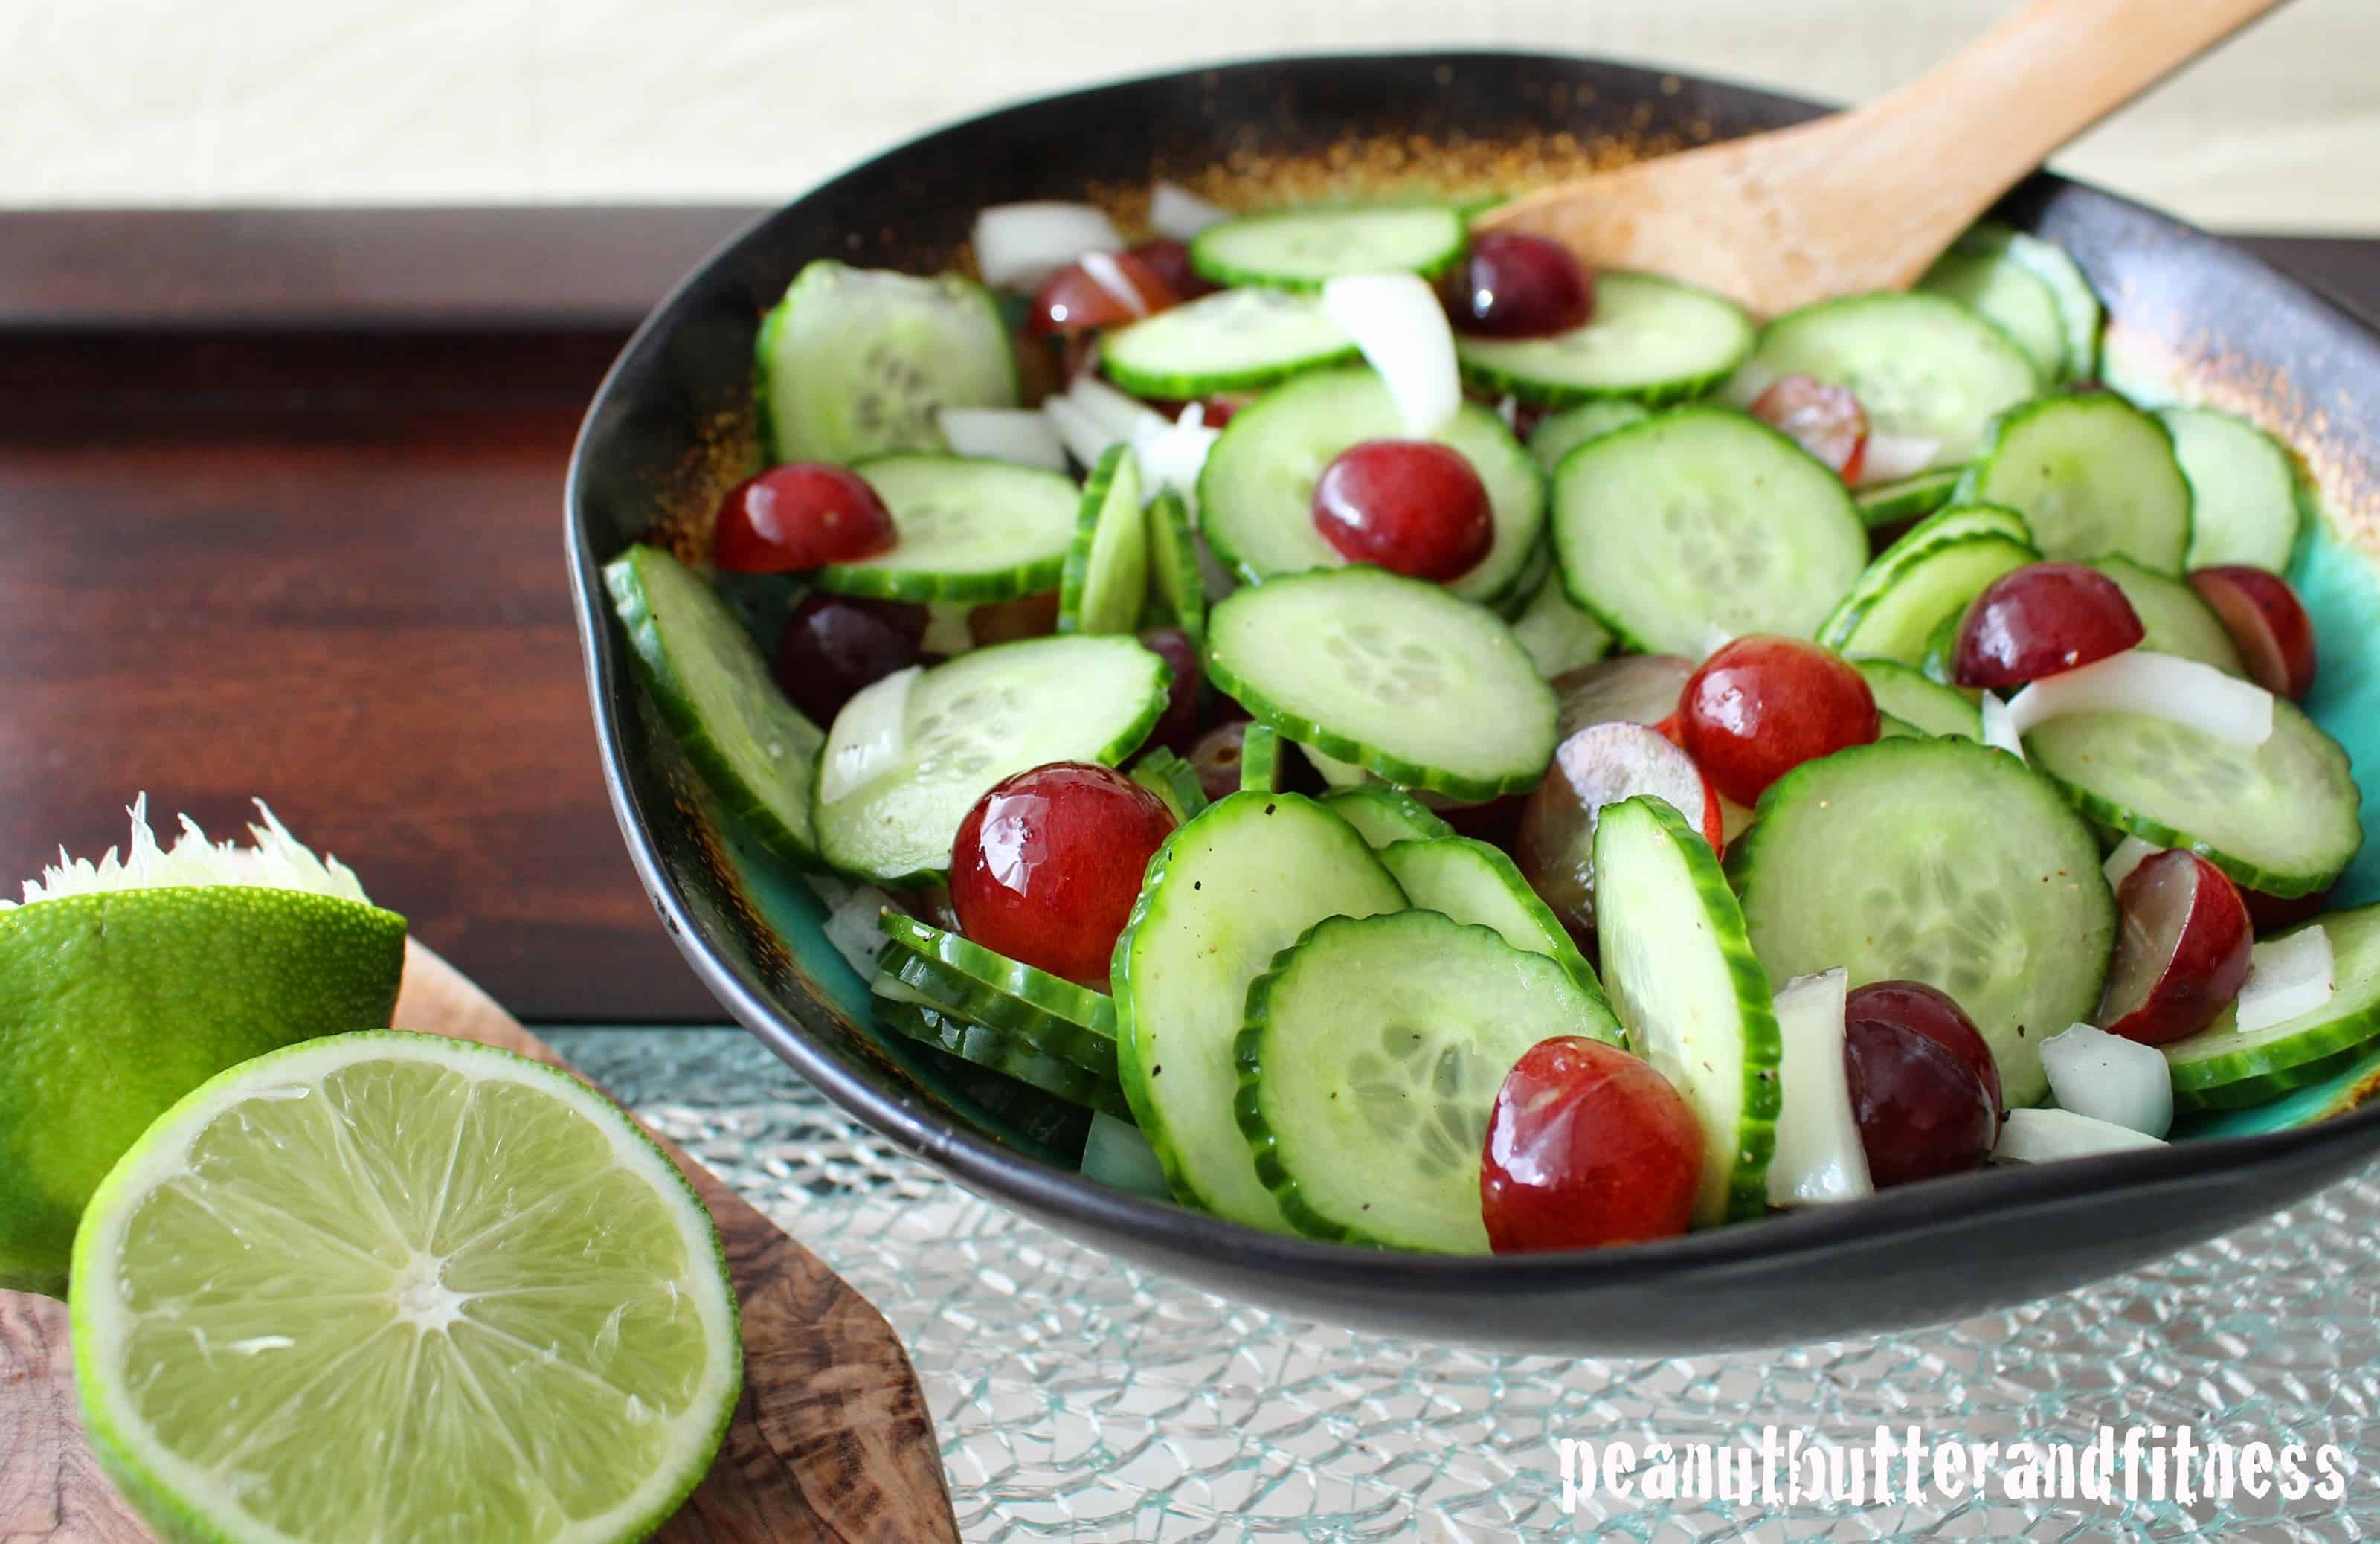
{"points": [[322, 101]]}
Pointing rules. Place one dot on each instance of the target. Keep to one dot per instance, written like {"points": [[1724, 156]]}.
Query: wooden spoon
{"points": [[1868, 198]]}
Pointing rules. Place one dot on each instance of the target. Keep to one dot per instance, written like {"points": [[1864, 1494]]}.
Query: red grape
{"points": [[1925, 1089], [1073, 301], [2267, 621], [1178, 725], [1005, 621], [834, 645], [2271, 914], [1047, 866], [2182, 952], [1597, 766], [1586, 1146], [1413, 506], [1215, 757], [1511, 286], [1762, 705], [2043, 619], [802, 515], [1170, 260], [1828, 421]]}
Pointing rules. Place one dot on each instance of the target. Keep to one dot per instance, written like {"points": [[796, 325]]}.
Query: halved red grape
{"points": [[1047, 866], [1170, 260], [1825, 420], [1215, 757], [834, 645], [1762, 705], [1073, 299], [2043, 619], [2182, 951], [802, 515], [1597, 766], [1586, 1146], [2267, 621], [1511, 286], [1412, 507], [1925, 1089], [1178, 725], [2271, 914], [1005, 621]]}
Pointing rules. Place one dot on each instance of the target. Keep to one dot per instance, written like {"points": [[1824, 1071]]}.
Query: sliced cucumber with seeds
{"points": [[1260, 764], [1703, 518], [2008, 296], [1935, 585], [1383, 815], [2220, 1068], [715, 690], [1557, 434], [1175, 587], [1926, 706], [1925, 367], [2174, 620], [857, 361], [1559, 634], [971, 529], [1298, 249], [1226, 893], [1068, 1021], [2078, 308], [1235, 340], [1393, 674], [1172, 779], [1651, 340], [975, 719], [1106, 577], [1472, 882], [2092, 475], [1943, 862], [1691, 993], [1370, 1064], [1888, 727], [1908, 498], [2281, 818], [2243, 489], [1008, 1054], [1334, 773], [1256, 495]]}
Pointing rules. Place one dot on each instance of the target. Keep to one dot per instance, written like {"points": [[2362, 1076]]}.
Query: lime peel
{"points": [[276, 861]]}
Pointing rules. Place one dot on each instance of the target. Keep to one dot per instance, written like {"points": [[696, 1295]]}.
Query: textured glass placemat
{"points": [[1079, 1398]]}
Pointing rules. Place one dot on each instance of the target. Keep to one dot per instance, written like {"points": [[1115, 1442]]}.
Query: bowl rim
{"points": [[1901, 1218]]}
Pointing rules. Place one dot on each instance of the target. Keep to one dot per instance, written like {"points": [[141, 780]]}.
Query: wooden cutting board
{"points": [[831, 1440]]}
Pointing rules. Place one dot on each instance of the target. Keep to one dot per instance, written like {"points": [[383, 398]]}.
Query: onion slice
{"points": [[2110, 1078], [1176, 212], [854, 926], [1999, 729], [1023, 435], [1398, 322], [1820, 1157], [2048, 1136], [1173, 455], [1119, 415], [1018, 244], [2288, 977], [2130, 854], [1080, 432], [1890, 457], [868, 735], [2161, 685]]}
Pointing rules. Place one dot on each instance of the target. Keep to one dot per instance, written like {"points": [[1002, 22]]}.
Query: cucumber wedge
{"points": [[971, 530], [2006, 294], [1369, 1063], [1691, 993], [1926, 706], [1473, 883], [2078, 308], [2092, 475], [1260, 760], [1908, 498], [2243, 489], [1650, 340], [1557, 434], [1106, 577], [753, 747], [1384, 815], [2221, 1069], [2174, 619], [1174, 588], [1235, 340], [1938, 862], [1299, 249], [1061, 1020], [1227, 892], [1000, 1051], [1172, 779]]}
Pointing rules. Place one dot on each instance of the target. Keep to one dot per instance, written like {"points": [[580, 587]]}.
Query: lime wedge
{"points": [[388, 1286]]}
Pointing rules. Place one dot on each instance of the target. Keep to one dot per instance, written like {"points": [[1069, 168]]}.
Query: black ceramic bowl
{"points": [[672, 428]]}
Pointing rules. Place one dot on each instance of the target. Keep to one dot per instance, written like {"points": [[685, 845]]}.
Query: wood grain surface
{"points": [[831, 1443]]}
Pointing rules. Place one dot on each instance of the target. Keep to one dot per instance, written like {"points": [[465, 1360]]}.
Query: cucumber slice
{"points": [[1691, 993], [1943, 862], [855, 362], [1256, 495], [1235, 340], [753, 747], [1370, 1064], [1703, 518], [1557, 434], [2078, 308], [2008, 296], [1924, 367], [977, 719], [998, 1051], [1559, 635], [1651, 340], [2174, 620], [1106, 577], [1260, 765], [971, 529], [1393, 674], [2220, 1068], [1384, 815], [1908, 498], [1888, 727], [1298, 249], [1175, 587], [1070, 1022], [1931, 573], [1926, 706], [2243, 489], [1172, 779], [1226, 893], [1334, 773], [2281, 818], [1473, 883], [2092, 475]]}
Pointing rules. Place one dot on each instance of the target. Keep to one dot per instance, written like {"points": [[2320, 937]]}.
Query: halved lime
{"points": [[389, 1286]]}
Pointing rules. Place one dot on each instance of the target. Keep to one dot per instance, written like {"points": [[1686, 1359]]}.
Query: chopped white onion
{"points": [[854, 929], [1176, 212], [1018, 244], [1080, 432], [1105, 272], [1173, 455], [2130, 854], [1891, 458], [2161, 685], [1121, 415], [2108, 1077], [2048, 1136], [869, 735], [1398, 322], [1018, 434], [1820, 1157], [1999, 729], [2288, 977]]}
